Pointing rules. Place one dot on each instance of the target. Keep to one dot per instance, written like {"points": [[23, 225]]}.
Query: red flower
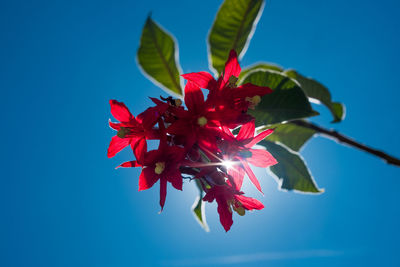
{"points": [[198, 123], [238, 150], [132, 131], [161, 164], [225, 95], [198, 141], [229, 198]]}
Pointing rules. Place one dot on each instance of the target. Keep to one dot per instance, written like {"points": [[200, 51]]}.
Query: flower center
{"points": [[122, 132], [160, 166], [253, 101], [202, 121]]}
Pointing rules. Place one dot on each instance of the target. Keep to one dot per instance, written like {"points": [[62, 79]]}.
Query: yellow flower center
{"points": [[160, 166], [254, 101], [202, 121]]}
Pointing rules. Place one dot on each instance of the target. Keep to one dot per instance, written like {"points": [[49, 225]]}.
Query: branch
{"points": [[345, 140]]}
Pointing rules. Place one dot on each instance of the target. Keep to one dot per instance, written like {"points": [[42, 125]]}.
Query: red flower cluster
{"points": [[197, 142]]}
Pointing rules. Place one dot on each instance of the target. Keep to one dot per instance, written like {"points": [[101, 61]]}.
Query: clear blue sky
{"points": [[62, 202]]}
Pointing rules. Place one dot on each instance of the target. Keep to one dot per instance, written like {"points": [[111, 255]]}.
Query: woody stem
{"points": [[338, 137]]}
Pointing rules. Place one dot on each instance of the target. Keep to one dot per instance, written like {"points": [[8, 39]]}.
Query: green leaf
{"points": [[198, 209], [259, 66], [291, 170], [158, 58], [287, 102], [316, 90], [233, 28], [289, 134], [339, 110]]}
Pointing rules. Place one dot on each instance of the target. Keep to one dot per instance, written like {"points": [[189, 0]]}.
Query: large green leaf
{"points": [[316, 90], [233, 28], [198, 209], [291, 170], [259, 66], [291, 135], [158, 58], [287, 102]]}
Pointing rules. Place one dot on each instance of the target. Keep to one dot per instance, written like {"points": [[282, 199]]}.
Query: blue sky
{"points": [[64, 204]]}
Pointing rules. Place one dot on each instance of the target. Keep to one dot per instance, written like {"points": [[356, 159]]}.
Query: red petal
{"points": [[152, 134], [202, 79], [259, 137], [180, 112], [161, 106], [207, 141], [175, 178], [139, 148], [151, 157], [115, 126], [147, 178], [176, 153], [249, 203], [194, 98], [261, 158], [251, 175], [179, 127], [149, 117], [237, 174], [120, 111], [225, 215], [116, 145], [247, 131], [163, 192], [129, 164], [227, 131], [157, 101], [210, 196], [232, 67]]}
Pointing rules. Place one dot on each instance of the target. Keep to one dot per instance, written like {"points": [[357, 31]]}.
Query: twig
{"points": [[345, 140]]}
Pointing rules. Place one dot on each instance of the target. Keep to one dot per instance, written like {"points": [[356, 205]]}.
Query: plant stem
{"points": [[346, 140]]}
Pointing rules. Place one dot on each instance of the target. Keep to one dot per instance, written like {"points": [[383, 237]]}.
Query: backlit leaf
{"points": [[232, 29], [316, 90], [289, 134], [198, 209], [261, 66], [291, 170], [287, 102], [158, 58]]}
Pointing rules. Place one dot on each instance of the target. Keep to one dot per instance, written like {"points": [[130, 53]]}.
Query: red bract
{"points": [[238, 150], [132, 131], [229, 198]]}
